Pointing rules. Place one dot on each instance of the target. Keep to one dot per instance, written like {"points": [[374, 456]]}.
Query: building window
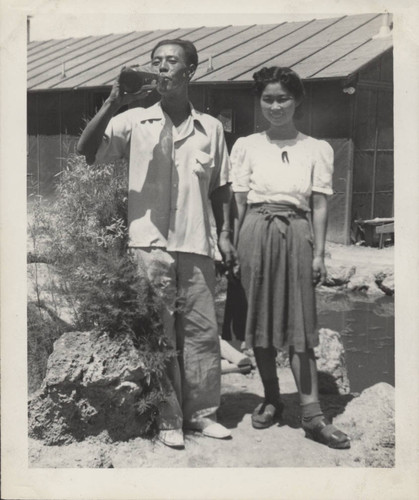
{"points": [[226, 118]]}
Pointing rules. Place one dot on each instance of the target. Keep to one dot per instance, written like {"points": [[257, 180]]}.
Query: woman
{"points": [[280, 246]]}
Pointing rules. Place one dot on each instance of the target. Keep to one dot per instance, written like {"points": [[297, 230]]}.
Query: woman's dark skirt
{"points": [[276, 253]]}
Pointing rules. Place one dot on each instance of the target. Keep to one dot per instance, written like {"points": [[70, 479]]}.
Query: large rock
{"points": [[93, 384], [339, 275], [370, 421], [331, 365], [363, 283], [361, 277]]}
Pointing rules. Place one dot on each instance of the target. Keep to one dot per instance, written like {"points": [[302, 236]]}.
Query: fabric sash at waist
{"points": [[280, 214]]}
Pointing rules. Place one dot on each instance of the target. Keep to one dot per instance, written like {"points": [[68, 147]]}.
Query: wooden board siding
{"points": [[373, 183]]}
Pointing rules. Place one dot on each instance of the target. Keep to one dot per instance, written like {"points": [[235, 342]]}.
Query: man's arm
{"points": [[220, 200], [92, 135]]}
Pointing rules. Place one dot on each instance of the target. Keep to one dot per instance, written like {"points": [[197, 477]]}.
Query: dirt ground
{"points": [[282, 445], [365, 259], [277, 446]]}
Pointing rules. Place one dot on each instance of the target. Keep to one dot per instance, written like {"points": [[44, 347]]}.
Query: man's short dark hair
{"points": [[189, 49]]}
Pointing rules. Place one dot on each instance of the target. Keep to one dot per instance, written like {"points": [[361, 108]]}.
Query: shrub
{"points": [[83, 234]]}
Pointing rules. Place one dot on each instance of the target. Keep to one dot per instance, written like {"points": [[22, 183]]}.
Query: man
{"points": [[178, 192]]}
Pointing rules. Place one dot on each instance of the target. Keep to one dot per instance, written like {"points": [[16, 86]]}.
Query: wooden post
{"points": [[310, 109], [60, 111], [348, 193], [374, 168], [350, 176], [38, 153]]}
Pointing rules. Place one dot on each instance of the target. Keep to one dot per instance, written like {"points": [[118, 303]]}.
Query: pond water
{"points": [[367, 328]]}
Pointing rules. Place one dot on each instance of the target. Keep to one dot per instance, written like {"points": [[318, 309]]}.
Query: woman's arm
{"points": [[319, 228], [239, 211]]}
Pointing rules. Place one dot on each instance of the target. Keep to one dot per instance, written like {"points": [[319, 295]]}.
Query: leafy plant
{"points": [[83, 234]]}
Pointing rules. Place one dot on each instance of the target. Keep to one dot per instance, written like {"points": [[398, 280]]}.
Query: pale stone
{"points": [[93, 384], [370, 421], [339, 275], [331, 365]]}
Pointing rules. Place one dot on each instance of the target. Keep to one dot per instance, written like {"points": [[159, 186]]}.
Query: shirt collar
{"points": [[155, 112]]}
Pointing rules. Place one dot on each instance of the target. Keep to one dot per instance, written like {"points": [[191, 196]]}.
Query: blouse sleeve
{"points": [[323, 169], [240, 167]]}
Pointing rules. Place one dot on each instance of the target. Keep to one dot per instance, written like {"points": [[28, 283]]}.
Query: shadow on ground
{"points": [[235, 405]]}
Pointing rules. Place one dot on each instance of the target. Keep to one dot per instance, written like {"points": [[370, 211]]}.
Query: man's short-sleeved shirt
{"points": [[172, 173]]}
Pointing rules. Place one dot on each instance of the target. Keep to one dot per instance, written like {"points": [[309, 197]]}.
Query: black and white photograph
{"points": [[207, 293]]}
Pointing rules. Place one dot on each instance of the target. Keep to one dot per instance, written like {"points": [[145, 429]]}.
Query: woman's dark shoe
{"points": [[266, 414], [326, 433]]}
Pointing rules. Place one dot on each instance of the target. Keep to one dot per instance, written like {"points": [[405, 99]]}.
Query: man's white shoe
{"points": [[209, 428], [172, 438]]}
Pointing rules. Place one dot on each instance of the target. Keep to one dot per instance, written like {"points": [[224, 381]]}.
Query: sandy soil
{"points": [[365, 259], [282, 445]]}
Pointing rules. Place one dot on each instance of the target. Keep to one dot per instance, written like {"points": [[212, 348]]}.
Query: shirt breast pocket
{"points": [[203, 164]]}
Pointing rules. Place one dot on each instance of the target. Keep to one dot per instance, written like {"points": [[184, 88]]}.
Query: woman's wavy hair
{"points": [[287, 77]]}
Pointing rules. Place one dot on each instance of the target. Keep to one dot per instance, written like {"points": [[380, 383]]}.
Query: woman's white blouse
{"points": [[281, 171]]}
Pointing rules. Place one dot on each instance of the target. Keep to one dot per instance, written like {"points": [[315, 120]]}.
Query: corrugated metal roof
{"points": [[316, 48]]}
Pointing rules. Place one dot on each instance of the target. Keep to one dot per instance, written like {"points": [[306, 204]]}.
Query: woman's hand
{"points": [[319, 271]]}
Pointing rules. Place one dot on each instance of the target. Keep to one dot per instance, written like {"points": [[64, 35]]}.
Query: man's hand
{"points": [[319, 271], [120, 98], [229, 255]]}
